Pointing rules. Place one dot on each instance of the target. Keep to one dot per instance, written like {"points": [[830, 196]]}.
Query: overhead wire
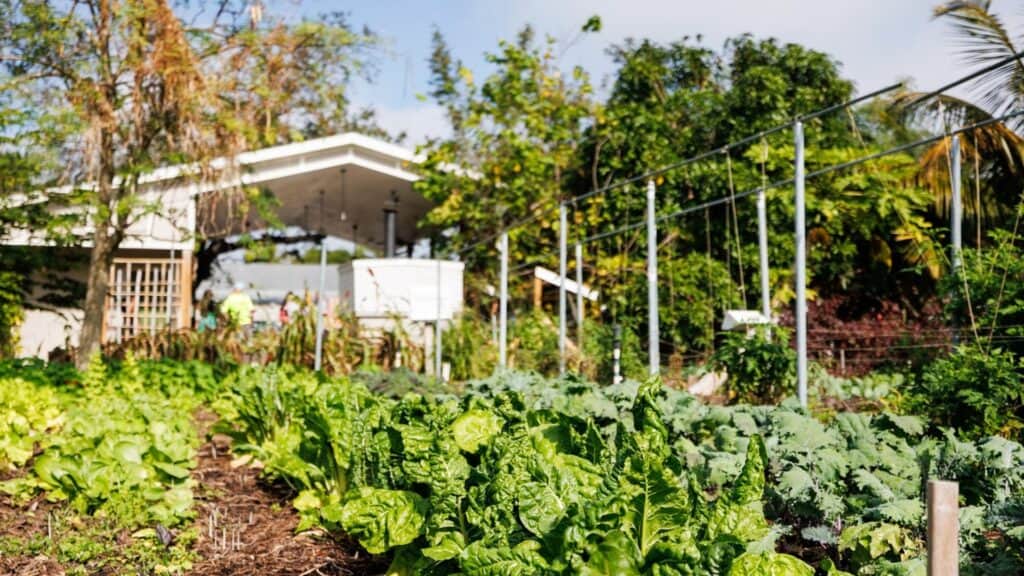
{"points": [[754, 137], [813, 174], [540, 212]]}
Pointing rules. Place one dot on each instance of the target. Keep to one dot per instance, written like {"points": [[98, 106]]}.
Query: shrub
{"points": [[761, 370], [467, 345], [975, 391]]}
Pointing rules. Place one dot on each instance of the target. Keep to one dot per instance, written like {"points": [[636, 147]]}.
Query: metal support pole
{"points": [[390, 215], [956, 218], [617, 354], [653, 347], [503, 302], [563, 225], [957, 210], [801, 267], [438, 371], [762, 241], [317, 362], [580, 316]]}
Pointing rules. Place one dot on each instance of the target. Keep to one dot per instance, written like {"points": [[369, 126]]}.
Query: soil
{"points": [[21, 520], [247, 527]]}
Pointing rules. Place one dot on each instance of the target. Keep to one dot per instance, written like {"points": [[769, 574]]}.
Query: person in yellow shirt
{"points": [[237, 308]]}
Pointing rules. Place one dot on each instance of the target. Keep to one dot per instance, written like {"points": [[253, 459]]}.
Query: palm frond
{"points": [[998, 148], [984, 41]]}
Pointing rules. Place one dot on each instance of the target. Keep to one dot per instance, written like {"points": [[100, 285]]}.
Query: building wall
{"points": [[43, 331], [46, 328]]}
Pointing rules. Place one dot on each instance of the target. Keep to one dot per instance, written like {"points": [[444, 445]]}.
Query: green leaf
{"points": [[475, 428], [306, 500], [450, 546], [615, 554], [382, 519], [172, 470], [769, 564], [479, 559], [540, 508]]}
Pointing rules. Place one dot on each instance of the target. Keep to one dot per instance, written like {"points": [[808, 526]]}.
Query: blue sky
{"points": [[877, 41]]}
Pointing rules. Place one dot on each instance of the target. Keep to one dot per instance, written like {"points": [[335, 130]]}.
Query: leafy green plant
{"points": [[124, 450], [29, 413], [974, 390], [469, 348], [533, 343], [760, 370]]}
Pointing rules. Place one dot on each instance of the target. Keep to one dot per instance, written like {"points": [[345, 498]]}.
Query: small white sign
{"points": [[739, 319]]}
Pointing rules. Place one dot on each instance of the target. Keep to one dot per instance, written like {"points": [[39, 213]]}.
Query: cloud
{"points": [[418, 120]]}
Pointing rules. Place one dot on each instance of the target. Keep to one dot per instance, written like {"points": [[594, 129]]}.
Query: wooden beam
{"points": [[943, 528]]}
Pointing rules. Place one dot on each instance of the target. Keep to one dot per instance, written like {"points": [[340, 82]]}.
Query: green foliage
{"points": [[383, 519], [760, 366], [855, 476], [599, 342], [469, 348], [698, 289], [533, 343], [29, 414], [490, 486], [976, 391], [118, 447], [515, 135]]}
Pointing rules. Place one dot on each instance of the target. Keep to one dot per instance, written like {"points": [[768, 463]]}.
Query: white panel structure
{"points": [[402, 287]]}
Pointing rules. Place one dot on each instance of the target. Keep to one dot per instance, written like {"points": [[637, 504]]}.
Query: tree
{"points": [[131, 86], [514, 140], [994, 154]]}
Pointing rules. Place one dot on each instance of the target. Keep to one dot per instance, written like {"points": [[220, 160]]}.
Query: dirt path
{"points": [[248, 528]]}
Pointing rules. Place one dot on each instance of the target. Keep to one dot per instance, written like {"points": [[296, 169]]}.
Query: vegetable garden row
{"points": [[515, 474]]}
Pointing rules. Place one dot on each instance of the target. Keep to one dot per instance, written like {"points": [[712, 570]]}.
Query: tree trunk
{"points": [[100, 260], [106, 238]]}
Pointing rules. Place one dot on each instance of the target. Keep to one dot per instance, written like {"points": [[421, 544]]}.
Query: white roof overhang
{"points": [[375, 173]]}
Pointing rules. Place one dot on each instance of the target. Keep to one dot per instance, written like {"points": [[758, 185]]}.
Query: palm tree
{"points": [[994, 154]]}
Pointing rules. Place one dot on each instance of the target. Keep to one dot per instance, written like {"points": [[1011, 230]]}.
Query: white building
{"points": [[347, 186]]}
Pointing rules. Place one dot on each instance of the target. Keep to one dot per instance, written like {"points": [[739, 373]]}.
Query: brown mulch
{"points": [[247, 527]]}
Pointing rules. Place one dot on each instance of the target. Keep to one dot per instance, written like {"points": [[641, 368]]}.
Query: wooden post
{"points": [[185, 282], [538, 292], [943, 528]]}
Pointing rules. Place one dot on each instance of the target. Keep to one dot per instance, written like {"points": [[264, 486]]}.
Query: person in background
{"points": [[289, 307], [207, 313], [237, 309]]}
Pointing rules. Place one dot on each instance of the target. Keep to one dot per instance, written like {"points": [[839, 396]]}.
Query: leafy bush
{"points": [[28, 414], [977, 392], [599, 341], [533, 343], [468, 347], [124, 450], [760, 369]]}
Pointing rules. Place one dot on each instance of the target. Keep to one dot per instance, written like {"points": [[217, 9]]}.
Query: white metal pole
{"points": [[762, 240], [320, 301], [580, 316], [503, 302], [652, 283], [439, 373], [956, 221], [563, 224], [956, 211], [801, 267]]}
